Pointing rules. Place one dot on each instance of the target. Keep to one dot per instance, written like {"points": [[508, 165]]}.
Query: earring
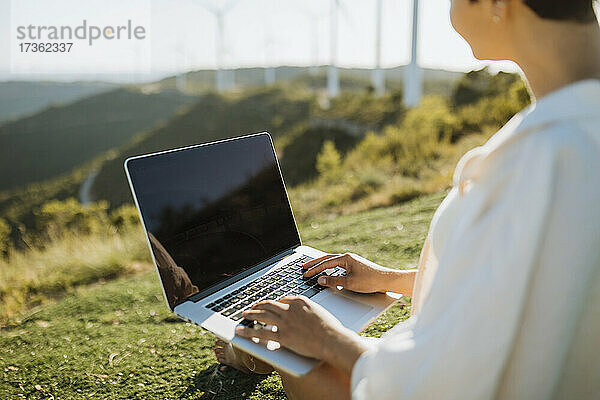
{"points": [[499, 4]]}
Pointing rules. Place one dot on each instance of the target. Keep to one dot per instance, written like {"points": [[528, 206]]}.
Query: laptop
{"points": [[223, 237]]}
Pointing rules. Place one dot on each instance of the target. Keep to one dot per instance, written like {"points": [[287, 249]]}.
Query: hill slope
{"points": [[212, 117], [117, 340], [57, 139], [18, 99]]}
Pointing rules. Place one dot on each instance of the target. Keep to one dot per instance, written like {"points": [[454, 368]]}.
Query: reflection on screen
{"points": [[212, 212]]}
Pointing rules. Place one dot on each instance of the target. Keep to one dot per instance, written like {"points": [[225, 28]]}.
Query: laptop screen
{"points": [[212, 212]]}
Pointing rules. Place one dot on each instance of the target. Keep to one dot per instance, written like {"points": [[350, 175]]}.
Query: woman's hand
{"points": [[362, 275], [306, 328], [302, 325]]}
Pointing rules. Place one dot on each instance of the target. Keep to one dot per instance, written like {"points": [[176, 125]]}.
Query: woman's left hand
{"points": [[302, 325]]}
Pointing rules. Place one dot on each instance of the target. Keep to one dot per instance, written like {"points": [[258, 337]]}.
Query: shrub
{"points": [[55, 218], [299, 159], [124, 217], [328, 160], [476, 85]]}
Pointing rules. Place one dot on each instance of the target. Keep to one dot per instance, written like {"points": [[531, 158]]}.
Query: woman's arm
{"points": [[343, 350], [399, 281]]}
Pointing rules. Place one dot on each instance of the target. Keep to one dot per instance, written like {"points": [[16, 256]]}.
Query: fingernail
{"points": [[322, 280], [240, 330]]}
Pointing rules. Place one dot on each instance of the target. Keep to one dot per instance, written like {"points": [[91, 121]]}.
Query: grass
{"points": [[116, 339], [35, 277]]}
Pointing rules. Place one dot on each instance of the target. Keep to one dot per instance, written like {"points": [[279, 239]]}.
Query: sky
{"points": [[181, 36]]}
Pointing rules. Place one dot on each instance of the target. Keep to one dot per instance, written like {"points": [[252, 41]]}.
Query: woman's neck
{"points": [[559, 54]]}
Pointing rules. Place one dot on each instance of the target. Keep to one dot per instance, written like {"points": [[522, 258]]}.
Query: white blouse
{"points": [[507, 299]]}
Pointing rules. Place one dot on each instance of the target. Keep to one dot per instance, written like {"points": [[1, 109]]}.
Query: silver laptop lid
{"points": [[212, 213]]}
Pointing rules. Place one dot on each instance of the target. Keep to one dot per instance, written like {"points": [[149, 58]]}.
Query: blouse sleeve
{"points": [[457, 345]]}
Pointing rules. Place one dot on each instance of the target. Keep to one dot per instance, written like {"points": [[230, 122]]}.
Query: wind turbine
{"points": [[180, 78], [413, 78], [223, 81], [333, 79], [314, 27], [313, 19], [378, 77], [270, 74]]}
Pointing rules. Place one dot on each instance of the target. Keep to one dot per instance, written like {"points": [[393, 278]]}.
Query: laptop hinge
{"points": [[213, 289]]}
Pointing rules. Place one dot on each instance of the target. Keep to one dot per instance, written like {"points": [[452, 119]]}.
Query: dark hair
{"points": [[567, 10], [563, 10]]}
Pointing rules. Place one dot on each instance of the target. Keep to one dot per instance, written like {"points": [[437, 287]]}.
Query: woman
{"points": [[507, 292]]}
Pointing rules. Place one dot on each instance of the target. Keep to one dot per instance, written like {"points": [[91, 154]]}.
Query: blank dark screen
{"points": [[212, 212]]}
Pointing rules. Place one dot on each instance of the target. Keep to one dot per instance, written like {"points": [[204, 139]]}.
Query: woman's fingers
{"points": [[262, 334], [269, 305], [266, 317], [310, 263], [337, 261], [332, 281], [293, 299]]}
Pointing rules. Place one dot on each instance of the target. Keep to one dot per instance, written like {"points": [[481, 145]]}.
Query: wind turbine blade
{"points": [[229, 5], [208, 7], [347, 16]]}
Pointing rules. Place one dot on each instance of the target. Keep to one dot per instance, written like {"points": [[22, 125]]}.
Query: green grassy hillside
{"points": [[403, 157], [116, 339], [291, 114], [60, 138], [211, 117]]}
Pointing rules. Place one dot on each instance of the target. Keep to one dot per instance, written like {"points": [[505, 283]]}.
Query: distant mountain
{"points": [[58, 139], [18, 99]]}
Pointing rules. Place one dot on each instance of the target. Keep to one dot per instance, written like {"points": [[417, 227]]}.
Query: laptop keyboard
{"points": [[285, 280]]}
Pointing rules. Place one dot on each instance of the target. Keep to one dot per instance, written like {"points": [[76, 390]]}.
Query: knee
{"points": [[291, 385], [323, 382]]}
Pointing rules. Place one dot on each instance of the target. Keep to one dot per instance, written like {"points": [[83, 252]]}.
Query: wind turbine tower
{"points": [[221, 78], [224, 81], [181, 81], [313, 20], [333, 79], [314, 25], [413, 79], [269, 70], [378, 74], [181, 78]]}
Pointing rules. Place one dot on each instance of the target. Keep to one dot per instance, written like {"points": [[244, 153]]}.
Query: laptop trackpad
{"points": [[347, 310]]}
